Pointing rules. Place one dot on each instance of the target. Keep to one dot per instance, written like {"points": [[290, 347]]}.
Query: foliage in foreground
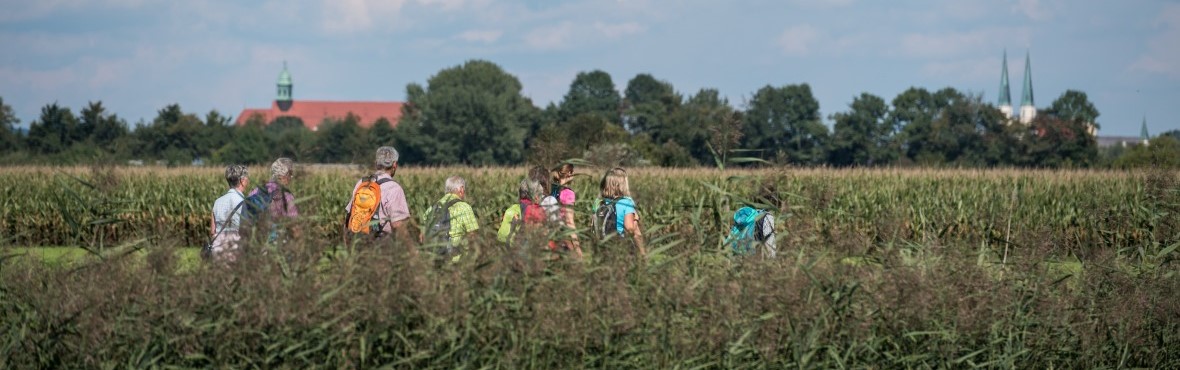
{"points": [[916, 305]]}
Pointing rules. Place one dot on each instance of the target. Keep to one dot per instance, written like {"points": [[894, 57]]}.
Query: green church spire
{"points": [[1005, 92], [1027, 99], [1143, 131], [284, 85]]}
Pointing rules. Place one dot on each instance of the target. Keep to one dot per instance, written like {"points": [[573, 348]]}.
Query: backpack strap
{"points": [[381, 227], [230, 218]]}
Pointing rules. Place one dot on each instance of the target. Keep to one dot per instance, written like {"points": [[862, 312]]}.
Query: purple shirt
{"points": [[393, 203], [280, 207]]}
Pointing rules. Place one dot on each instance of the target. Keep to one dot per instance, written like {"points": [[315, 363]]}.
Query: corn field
{"points": [[877, 268]]}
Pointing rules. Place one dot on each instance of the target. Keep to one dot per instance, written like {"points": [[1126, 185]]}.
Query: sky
{"points": [[137, 56]]}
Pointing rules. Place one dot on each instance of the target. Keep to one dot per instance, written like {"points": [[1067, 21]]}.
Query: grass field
{"points": [[877, 268]]}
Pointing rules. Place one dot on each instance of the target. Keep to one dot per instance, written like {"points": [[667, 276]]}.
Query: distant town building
{"points": [[315, 112], [1125, 141]]}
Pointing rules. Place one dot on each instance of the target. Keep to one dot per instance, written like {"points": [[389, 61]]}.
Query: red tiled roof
{"points": [[313, 113]]}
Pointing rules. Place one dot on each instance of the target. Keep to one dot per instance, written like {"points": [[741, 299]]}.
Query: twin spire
{"points": [[1028, 110]]}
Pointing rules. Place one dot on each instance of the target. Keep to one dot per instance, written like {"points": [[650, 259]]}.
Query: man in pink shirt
{"points": [[393, 212]]}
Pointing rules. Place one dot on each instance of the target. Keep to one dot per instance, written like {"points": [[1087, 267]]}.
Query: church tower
{"points": [[1143, 133], [283, 100], [1028, 111], [1005, 102]]}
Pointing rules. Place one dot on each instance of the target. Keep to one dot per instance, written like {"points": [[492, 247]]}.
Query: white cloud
{"points": [[23, 10], [484, 36], [617, 30], [1162, 56], [348, 16], [951, 44], [552, 37], [798, 40], [1037, 10]]}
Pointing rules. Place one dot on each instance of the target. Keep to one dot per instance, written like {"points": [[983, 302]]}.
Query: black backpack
{"points": [[606, 218], [440, 227]]}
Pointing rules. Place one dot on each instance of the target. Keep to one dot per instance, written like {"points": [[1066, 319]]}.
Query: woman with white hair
{"points": [[281, 209]]}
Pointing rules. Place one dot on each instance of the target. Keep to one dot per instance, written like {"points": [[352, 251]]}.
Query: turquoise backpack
{"points": [[746, 231]]}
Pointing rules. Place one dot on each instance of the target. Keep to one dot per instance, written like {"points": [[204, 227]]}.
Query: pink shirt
{"points": [[567, 197], [393, 203]]}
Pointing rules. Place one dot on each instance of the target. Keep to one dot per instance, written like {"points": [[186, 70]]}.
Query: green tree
{"points": [[10, 141], [173, 135], [470, 114], [862, 135], [382, 133], [342, 141], [216, 133], [1162, 152], [1056, 142], [289, 137], [249, 144], [706, 126], [591, 93], [968, 132], [648, 105], [912, 118], [54, 131], [103, 128], [786, 120], [1073, 105]]}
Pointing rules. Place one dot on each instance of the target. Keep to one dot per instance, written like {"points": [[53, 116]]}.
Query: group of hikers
{"points": [[377, 211]]}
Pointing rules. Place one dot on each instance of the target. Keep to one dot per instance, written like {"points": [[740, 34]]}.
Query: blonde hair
{"points": [[614, 184]]}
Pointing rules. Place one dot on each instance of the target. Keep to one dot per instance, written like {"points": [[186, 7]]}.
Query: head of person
{"points": [[768, 195], [237, 176], [563, 173], [614, 184], [386, 159], [540, 175], [530, 190], [457, 185], [281, 170]]}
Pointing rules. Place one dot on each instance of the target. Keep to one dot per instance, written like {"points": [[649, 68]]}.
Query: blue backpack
{"points": [[256, 208], [746, 231]]}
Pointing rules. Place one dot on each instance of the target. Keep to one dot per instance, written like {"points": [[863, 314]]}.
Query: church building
{"points": [[313, 113], [1028, 111]]}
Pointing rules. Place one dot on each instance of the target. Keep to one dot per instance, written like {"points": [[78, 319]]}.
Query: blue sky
{"points": [[137, 56]]}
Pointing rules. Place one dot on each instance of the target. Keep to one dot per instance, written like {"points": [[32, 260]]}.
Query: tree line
{"points": [[476, 114]]}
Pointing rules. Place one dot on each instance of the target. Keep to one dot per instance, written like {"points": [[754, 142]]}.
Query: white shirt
{"points": [[222, 208]]}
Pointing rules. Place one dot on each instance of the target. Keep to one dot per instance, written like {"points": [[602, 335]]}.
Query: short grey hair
{"points": [[529, 189], [234, 174], [454, 183], [281, 167], [386, 157]]}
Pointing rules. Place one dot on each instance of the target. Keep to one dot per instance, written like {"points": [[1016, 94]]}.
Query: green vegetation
{"points": [[476, 114], [893, 268]]}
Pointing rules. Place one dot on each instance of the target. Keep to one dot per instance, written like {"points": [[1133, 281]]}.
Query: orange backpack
{"points": [[366, 202]]}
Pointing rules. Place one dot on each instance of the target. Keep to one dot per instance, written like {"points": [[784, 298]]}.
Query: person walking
{"points": [[452, 221], [378, 203], [281, 210], [752, 231], [227, 215], [616, 212], [562, 177]]}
